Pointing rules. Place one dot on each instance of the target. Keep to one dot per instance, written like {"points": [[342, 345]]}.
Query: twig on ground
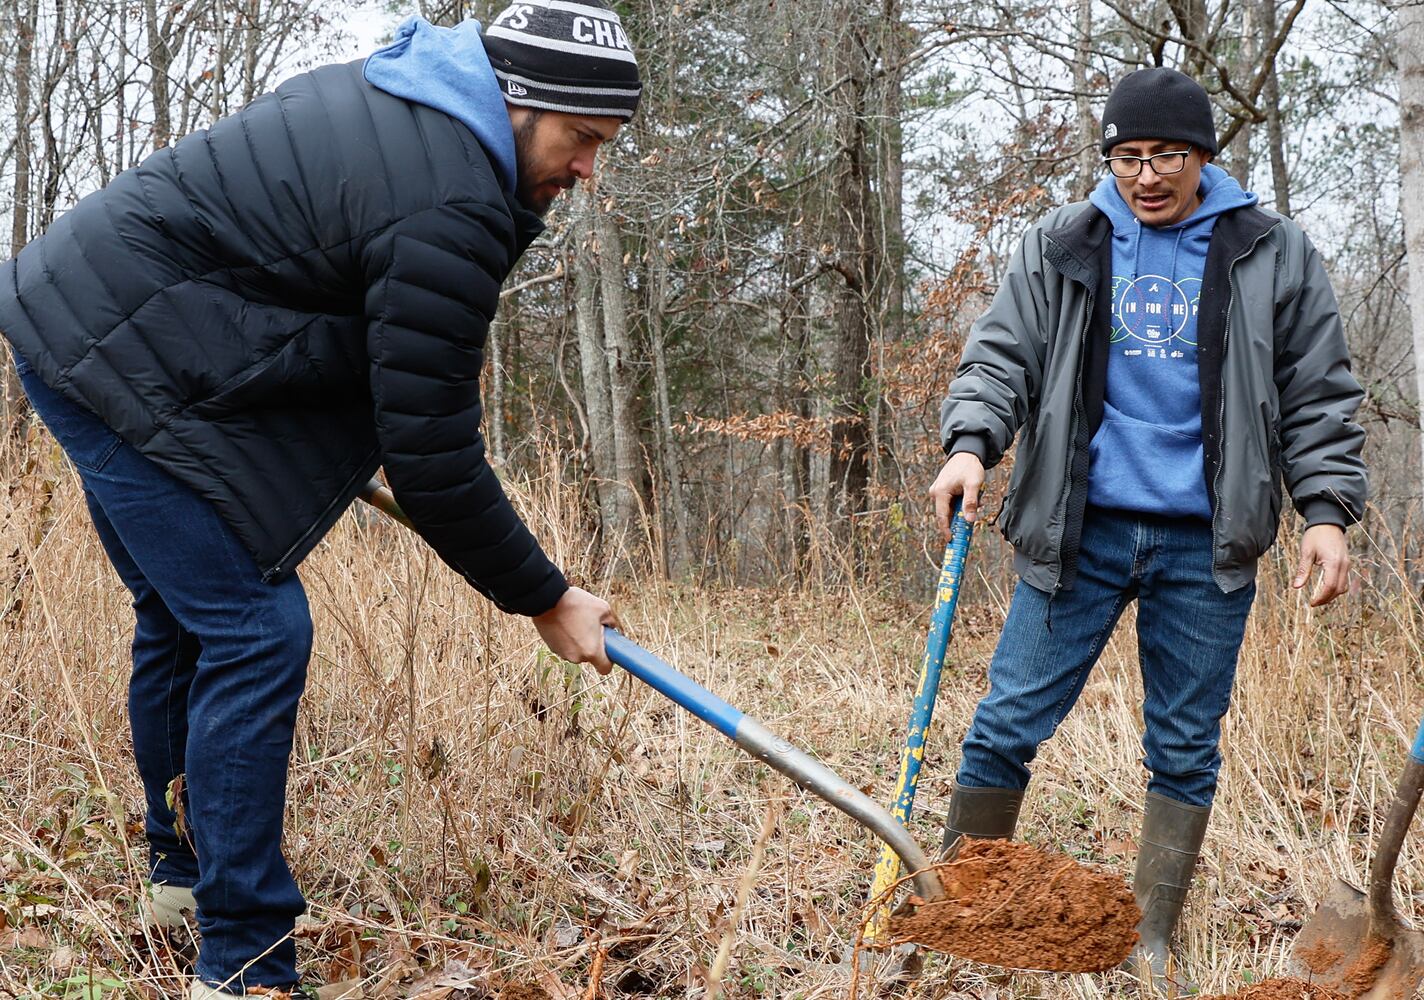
{"points": [[744, 889]]}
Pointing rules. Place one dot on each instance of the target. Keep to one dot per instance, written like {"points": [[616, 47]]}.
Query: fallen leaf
{"points": [[62, 959], [24, 937]]}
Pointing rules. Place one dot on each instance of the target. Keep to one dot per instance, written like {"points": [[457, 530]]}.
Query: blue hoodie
{"points": [[1147, 454], [447, 69]]}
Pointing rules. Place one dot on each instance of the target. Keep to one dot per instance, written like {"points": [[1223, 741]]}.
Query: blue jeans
{"points": [[219, 663], [1188, 632]]}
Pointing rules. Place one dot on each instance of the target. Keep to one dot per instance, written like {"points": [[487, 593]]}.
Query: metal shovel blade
{"points": [[1338, 949]]}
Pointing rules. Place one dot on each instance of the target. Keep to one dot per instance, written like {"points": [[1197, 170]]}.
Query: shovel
{"points": [[749, 734], [1355, 943], [887, 869]]}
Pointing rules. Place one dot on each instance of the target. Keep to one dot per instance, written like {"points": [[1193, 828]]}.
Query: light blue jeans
{"points": [[1188, 632]]}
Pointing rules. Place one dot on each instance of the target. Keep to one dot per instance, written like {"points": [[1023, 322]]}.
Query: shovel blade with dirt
{"points": [[1355, 943]]}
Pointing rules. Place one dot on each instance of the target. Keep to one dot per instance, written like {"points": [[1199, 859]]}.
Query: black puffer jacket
{"points": [[274, 307]]}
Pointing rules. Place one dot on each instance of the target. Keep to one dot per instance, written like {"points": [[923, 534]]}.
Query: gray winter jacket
{"points": [[1278, 398]]}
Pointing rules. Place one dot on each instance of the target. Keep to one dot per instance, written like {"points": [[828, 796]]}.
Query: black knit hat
{"points": [[564, 55], [1159, 103]]}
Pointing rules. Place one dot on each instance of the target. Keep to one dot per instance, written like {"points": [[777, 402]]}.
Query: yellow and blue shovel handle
{"points": [[746, 732], [887, 869], [1417, 751]]}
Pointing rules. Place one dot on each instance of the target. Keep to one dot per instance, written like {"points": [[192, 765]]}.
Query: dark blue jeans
{"points": [[1188, 633], [219, 663]]}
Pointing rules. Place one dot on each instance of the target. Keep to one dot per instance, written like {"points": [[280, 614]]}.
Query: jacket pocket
{"points": [[309, 371]]}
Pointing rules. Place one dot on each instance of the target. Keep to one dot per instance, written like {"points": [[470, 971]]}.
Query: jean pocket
{"points": [[85, 438], [22, 367]]}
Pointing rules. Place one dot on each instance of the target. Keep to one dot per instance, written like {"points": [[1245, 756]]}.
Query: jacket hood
{"points": [[447, 69], [1157, 248], [1219, 190]]}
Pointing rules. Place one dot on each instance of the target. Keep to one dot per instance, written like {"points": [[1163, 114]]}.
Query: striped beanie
{"points": [[564, 55]]}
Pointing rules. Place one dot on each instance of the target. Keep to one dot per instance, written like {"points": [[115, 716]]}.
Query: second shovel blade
{"points": [[1336, 949]]}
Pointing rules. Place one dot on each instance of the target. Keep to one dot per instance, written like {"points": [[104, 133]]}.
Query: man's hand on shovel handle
{"points": [[573, 628], [962, 476]]}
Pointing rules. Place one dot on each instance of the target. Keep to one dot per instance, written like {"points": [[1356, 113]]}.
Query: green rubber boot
{"points": [[1172, 835], [981, 814]]}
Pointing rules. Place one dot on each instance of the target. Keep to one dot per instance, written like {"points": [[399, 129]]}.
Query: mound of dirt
{"points": [[523, 991], [1015, 906], [1281, 989]]}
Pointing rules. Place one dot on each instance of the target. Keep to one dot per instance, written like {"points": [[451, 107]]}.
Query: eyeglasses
{"points": [[1171, 162]]}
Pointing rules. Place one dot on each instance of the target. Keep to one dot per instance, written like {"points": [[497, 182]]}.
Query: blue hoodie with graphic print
{"points": [[1147, 454], [447, 69]]}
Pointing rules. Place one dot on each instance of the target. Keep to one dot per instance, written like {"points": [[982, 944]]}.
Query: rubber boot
{"points": [[981, 814], [1167, 853]]}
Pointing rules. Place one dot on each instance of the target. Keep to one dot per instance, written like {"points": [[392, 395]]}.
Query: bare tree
{"points": [[1410, 57]]}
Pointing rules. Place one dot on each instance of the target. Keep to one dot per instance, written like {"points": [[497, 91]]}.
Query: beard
{"points": [[535, 191]]}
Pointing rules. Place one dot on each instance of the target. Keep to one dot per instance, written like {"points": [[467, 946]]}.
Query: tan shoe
{"points": [[170, 906], [199, 990]]}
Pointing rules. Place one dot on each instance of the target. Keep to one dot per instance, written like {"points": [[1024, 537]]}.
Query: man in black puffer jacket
{"points": [[232, 337]]}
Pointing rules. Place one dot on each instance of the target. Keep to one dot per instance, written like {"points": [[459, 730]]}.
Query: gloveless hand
{"points": [[573, 628], [962, 475], [1324, 545]]}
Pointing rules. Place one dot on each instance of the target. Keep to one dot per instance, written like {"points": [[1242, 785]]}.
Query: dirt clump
{"points": [[523, 991], [1281, 989], [1363, 972], [1015, 906], [1320, 957]]}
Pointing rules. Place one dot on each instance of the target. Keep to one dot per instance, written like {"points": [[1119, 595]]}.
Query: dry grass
{"points": [[460, 802]]}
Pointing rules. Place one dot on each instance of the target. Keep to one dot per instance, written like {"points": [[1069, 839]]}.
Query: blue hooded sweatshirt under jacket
{"points": [[447, 69], [1147, 454]]}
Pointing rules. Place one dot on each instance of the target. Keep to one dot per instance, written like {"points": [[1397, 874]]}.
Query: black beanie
{"points": [[564, 55], [1159, 103]]}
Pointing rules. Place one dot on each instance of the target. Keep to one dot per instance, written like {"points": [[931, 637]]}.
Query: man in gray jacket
{"points": [[1171, 351]]}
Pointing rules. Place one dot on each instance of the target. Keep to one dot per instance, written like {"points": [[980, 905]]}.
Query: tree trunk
{"points": [[597, 398], [14, 401], [1275, 128], [24, 148], [252, 40], [1086, 175], [850, 362], [160, 59], [674, 505], [892, 169], [122, 136], [622, 381], [1410, 55], [1239, 152]]}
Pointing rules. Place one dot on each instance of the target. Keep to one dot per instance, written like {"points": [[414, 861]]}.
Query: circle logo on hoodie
{"points": [[1155, 309]]}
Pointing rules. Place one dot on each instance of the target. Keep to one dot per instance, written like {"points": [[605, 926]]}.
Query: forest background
{"points": [[714, 386]]}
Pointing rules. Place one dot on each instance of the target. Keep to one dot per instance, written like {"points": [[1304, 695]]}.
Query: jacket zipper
{"points": [[1221, 406], [1063, 554]]}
